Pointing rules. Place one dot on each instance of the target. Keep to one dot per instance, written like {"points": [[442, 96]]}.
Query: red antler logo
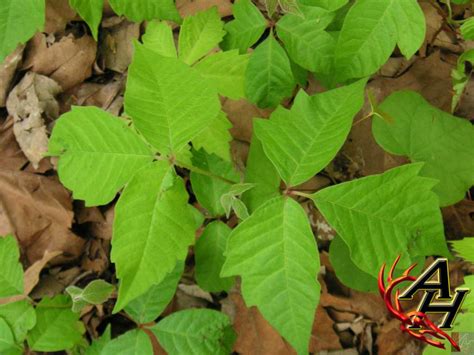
{"points": [[416, 323]]}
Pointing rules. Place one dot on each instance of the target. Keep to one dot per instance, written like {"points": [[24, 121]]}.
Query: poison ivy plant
{"points": [[19, 20], [209, 256], [168, 167], [464, 248], [147, 307], [461, 75], [370, 32], [246, 28], [91, 12], [314, 122], [140, 10], [426, 134], [54, 316], [95, 293], [196, 331], [285, 290], [269, 78], [11, 277]]}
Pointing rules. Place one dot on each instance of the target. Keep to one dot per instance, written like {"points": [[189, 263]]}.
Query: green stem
{"points": [[302, 194], [204, 172]]}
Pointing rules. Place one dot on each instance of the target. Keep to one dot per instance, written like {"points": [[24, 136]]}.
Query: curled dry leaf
{"points": [[7, 72], [117, 47], [32, 104], [39, 214], [69, 61]]}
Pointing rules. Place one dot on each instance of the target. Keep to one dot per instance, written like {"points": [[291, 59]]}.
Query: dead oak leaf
{"points": [[69, 62], [32, 104], [39, 212]]}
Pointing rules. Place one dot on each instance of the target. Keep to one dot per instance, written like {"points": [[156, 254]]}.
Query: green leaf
{"points": [[194, 332], [11, 275], [370, 32], [468, 304], [302, 141], [208, 190], [246, 28], [461, 76], [91, 12], [159, 37], [199, 34], [215, 139], [98, 154], [141, 10], [262, 174], [226, 70], [99, 344], [329, 5], [147, 307], [133, 342], [275, 254], [96, 292], [20, 316], [269, 78], [464, 248], [305, 40], [7, 341], [168, 101], [19, 20], [153, 228], [348, 272], [54, 317], [382, 216], [426, 134], [467, 29], [209, 257]]}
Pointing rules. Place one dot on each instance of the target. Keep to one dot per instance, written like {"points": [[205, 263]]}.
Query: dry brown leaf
{"points": [[392, 341], [241, 113], [254, 334], [459, 219], [39, 212], [466, 104], [58, 14], [32, 274], [7, 72], [68, 61], [323, 336], [189, 7], [100, 95], [117, 47], [33, 105], [11, 156], [96, 258]]}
